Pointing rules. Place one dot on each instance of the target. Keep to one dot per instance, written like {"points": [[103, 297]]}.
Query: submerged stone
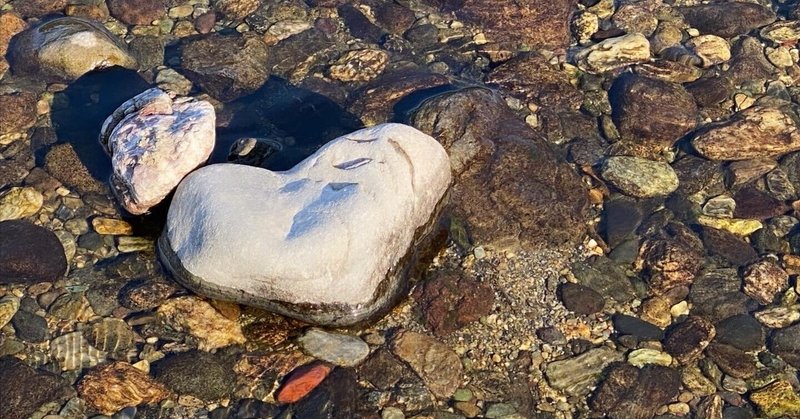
{"points": [[67, 48], [154, 141], [325, 242]]}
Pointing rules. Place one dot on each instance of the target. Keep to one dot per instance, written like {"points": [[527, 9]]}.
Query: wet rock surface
{"points": [[29, 254], [67, 48], [665, 288], [25, 389]]}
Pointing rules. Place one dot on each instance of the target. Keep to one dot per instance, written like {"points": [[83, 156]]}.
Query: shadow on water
{"points": [[299, 119], [79, 111]]}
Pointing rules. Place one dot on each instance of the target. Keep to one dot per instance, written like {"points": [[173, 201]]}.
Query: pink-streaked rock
{"points": [[154, 141]]}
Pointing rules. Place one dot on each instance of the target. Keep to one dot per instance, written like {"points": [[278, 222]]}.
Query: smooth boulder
{"points": [[154, 141], [326, 242], [29, 254], [66, 48]]}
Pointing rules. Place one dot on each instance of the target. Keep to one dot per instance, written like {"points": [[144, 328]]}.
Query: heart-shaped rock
{"points": [[327, 242]]}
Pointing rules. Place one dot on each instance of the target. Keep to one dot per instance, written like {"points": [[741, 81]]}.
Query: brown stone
{"points": [[688, 339], [532, 77], [438, 366], [38, 8], [765, 280], [24, 389], [668, 263], [632, 393], [374, 103], [205, 22], [727, 20], [732, 361], [236, 9], [137, 12], [728, 246], [394, 17], [451, 301], [226, 66], [17, 112], [64, 164], [533, 23], [651, 114], [754, 204], [743, 171], [755, 132], [10, 25], [112, 387], [508, 183]]}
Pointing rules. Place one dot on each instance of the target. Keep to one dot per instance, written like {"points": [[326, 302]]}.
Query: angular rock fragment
{"points": [[366, 196], [633, 393], [776, 400], [755, 132], [449, 302], [200, 319], [614, 53], [115, 386], [764, 280], [640, 178], [73, 352], [579, 374], [432, 360], [154, 141]]}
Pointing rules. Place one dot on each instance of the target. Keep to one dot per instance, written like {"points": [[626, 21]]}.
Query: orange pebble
{"points": [[301, 381]]}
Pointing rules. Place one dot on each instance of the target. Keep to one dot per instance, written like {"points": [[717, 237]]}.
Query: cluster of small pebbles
{"points": [[622, 238]]}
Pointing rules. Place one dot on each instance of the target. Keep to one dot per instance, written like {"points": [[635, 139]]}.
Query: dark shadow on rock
{"points": [[403, 109], [79, 111], [300, 120]]}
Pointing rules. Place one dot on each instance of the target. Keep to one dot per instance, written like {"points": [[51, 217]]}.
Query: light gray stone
{"points": [[336, 348], [326, 242], [154, 141]]}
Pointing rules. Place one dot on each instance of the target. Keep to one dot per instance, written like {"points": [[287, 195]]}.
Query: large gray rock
{"points": [[67, 48], [325, 242], [154, 141]]}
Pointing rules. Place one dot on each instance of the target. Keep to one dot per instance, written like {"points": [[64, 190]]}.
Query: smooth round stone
{"points": [[197, 373], [640, 178], [338, 349], [741, 331], [29, 254], [30, 327], [580, 299], [67, 48], [327, 242]]}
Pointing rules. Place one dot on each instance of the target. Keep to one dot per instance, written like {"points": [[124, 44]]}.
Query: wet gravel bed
{"points": [[622, 238]]}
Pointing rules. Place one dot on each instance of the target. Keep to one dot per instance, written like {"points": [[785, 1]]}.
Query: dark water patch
{"points": [[300, 120], [79, 111], [403, 109]]}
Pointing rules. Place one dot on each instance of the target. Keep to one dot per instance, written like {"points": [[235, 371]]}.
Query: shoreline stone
{"points": [[154, 141], [327, 195]]}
